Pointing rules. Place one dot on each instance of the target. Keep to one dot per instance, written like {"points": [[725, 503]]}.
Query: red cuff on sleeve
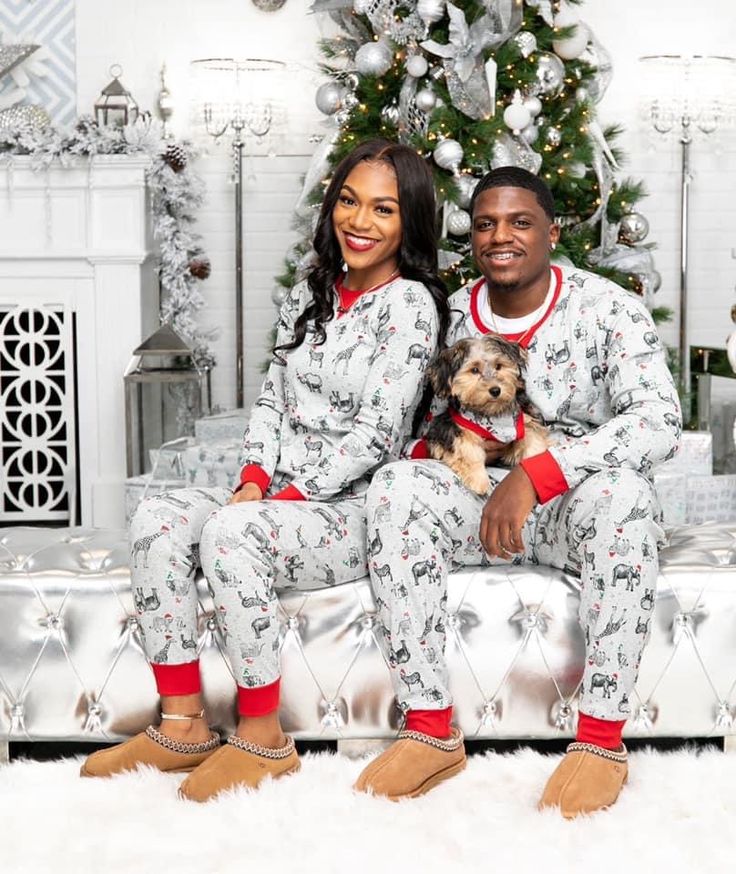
{"points": [[254, 473], [259, 700], [290, 493], [177, 679], [420, 450], [546, 476]]}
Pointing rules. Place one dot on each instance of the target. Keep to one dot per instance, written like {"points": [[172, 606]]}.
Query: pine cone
{"points": [[176, 157], [200, 268]]}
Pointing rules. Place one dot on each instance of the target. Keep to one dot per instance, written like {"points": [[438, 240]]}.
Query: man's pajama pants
{"points": [[423, 522], [248, 552]]}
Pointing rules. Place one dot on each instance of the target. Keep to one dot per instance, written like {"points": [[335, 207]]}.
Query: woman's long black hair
{"points": [[417, 257]]}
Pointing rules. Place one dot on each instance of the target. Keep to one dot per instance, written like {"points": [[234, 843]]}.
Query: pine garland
{"points": [[177, 193]]}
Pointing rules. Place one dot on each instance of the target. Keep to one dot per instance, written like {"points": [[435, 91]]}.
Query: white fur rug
{"points": [[677, 814]]}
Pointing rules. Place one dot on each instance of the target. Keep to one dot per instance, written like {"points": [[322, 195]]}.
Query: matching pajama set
{"points": [[598, 375], [327, 416]]}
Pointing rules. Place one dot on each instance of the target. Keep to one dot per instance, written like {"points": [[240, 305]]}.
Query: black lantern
{"points": [[165, 391], [115, 105]]}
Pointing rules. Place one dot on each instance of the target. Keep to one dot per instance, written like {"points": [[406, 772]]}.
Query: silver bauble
{"points": [[466, 186], [458, 223], [425, 99], [526, 42], [633, 229], [582, 95], [390, 114], [352, 81], [550, 75], [533, 105], [430, 10], [278, 295], [448, 154], [373, 59], [573, 46], [530, 134], [329, 98], [417, 66], [553, 137]]}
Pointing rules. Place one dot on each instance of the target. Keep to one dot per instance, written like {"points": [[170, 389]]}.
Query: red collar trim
{"points": [[346, 297], [529, 333], [460, 420]]}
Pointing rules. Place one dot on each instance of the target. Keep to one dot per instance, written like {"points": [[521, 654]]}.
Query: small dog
{"points": [[483, 381]]}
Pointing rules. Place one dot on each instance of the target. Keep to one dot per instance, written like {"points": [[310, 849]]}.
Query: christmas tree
{"points": [[473, 86]]}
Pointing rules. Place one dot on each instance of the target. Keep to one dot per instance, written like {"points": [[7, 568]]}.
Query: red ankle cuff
{"points": [[177, 679], [259, 700], [435, 723], [604, 733]]}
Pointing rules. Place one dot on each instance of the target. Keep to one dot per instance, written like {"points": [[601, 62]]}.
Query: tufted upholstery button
{"points": [[212, 624], [453, 620], [94, 709], [368, 622], [53, 622], [17, 711], [132, 624], [293, 623]]}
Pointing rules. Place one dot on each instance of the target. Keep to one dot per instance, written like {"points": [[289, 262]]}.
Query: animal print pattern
{"points": [[423, 522], [164, 557], [252, 550], [329, 414]]}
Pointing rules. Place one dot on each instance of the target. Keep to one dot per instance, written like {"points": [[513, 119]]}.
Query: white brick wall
{"points": [[141, 35]]}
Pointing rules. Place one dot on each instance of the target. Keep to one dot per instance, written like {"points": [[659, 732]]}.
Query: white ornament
{"points": [[573, 46], [374, 58], [577, 170], [448, 154], [425, 99], [526, 42], [533, 104], [566, 16], [430, 10], [417, 66], [458, 223], [516, 116], [329, 98]]}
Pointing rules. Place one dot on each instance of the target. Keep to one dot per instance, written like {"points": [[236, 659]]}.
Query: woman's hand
{"points": [[494, 451], [248, 492]]}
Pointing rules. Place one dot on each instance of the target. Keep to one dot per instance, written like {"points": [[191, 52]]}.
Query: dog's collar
{"points": [[505, 428]]}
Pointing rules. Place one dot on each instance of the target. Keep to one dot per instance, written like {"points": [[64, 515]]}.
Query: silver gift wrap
{"points": [[72, 666], [230, 426], [694, 458]]}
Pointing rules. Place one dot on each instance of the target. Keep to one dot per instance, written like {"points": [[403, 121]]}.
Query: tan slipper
{"points": [[150, 747], [239, 763], [413, 765], [588, 778]]}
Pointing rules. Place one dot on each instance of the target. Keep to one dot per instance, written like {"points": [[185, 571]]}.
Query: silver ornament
{"points": [[577, 169], [466, 186], [417, 66], [329, 98], [526, 42], [573, 46], [530, 134], [448, 154], [533, 105], [390, 114], [373, 59], [278, 295], [633, 229], [24, 117], [550, 75], [458, 223], [581, 95], [425, 99], [430, 10], [553, 137]]}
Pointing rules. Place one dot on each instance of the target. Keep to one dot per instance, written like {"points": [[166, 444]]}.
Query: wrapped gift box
{"points": [[229, 425], [695, 457], [138, 487], [671, 490], [167, 462], [215, 463], [711, 499]]}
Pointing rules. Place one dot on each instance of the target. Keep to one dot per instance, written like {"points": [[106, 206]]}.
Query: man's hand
{"points": [[494, 451], [249, 492], [504, 514]]}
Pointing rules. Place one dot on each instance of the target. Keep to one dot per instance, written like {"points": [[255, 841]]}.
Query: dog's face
{"points": [[483, 374]]}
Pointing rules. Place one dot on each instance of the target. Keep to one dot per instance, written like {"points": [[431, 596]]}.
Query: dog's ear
{"points": [[442, 372], [512, 350]]}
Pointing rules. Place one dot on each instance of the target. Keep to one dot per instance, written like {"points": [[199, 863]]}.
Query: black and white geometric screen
{"points": [[37, 430]]}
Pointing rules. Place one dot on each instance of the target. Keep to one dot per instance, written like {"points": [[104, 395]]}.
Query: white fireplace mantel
{"points": [[78, 237]]}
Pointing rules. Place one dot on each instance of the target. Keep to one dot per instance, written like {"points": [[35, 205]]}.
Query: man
{"points": [[596, 371]]}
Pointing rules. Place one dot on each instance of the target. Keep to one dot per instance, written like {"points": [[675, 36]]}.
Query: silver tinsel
{"points": [[17, 117]]}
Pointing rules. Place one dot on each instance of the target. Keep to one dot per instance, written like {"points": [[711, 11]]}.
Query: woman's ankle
{"points": [[194, 730], [265, 731]]}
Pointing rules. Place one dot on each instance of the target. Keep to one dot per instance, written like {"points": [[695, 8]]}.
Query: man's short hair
{"points": [[516, 177]]}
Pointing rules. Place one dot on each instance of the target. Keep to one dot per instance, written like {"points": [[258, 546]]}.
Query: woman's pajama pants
{"points": [[248, 552], [422, 523]]}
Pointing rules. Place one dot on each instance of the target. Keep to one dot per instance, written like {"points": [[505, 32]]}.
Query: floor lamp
{"points": [[690, 95], [237, 96]]}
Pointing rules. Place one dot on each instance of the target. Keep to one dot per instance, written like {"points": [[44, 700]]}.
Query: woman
{"points": [[339, 399]]}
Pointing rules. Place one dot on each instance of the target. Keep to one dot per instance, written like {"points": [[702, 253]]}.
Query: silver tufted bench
{"points": [[72, 667]]}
